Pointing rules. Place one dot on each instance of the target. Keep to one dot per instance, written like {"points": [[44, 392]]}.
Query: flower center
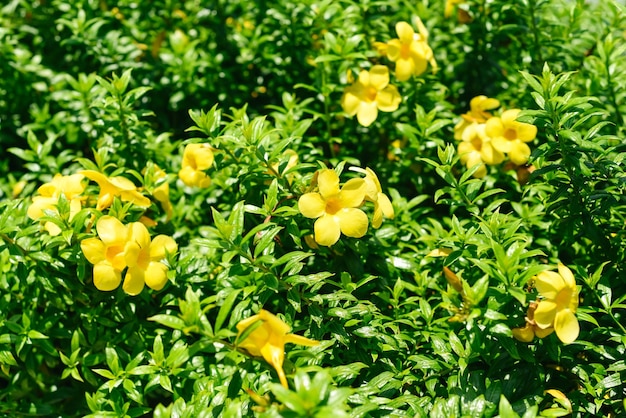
{"points": [[405, 50], [477, 143], [510, 134], [370, 94], [333, 205], [563, 299]]}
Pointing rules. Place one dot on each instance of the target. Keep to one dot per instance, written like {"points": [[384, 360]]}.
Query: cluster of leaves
{"points": [[414, 318]]}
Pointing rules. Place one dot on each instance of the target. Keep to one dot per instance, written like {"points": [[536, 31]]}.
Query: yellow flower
{"points": [[410, 51], [69, 186], [374, 193], [110, 187], [369, 94], [107, 252], [476, 148], [560, 300], [144, 257], [120, 246], [479, 113], [196, 159], [531, 330], [268, 340], [335, 210], [510, 136]]}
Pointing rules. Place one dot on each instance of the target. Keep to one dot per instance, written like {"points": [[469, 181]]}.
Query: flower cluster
{"points": [[70, 187], [196, 159], [119, 247], [487, 139], [371, 91], [556, 309], [268, 339], [337, 209]]}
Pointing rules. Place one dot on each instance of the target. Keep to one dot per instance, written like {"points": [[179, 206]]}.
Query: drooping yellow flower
{"points": [[531, 330], [369, 94], [510, 136], [476, 148], [559, 302], [144, 257], [69, 186], [374, 193], [106, 253], [478, 113], [196, 159], [335, 209], [268, 340], [410, 51], [110, 187]]}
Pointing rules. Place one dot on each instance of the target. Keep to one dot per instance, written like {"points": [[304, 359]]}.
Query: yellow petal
{"points": [[549, 284], [567, 275], [300, 340], [377, 218], [509, 116], [367, 113], [160, 245], [93, 249], [519, 152], [353, 222], [405, 32], [494, 128], [136, 198], [328, 183], [543, 333], [525, 334], [327, 230], [111, 230], [311, 205], [134, 281], [394, 47], [105, 277], [156, 275], [350, 101], [353, 193], [388, 99], [275, 356], [545, 313], [490, 155], [385, 204], [566, 326], [404, 68], [502, 144], [526, 132], [276, 325], [379, 77], [138, 233]]}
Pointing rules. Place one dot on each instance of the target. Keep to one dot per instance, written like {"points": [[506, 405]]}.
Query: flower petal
{"points": [[328, 183], [353, 222], [545, 313], [526, 132], [160, 245], [566, 326], [567, 275], [311, 205], [394, 47], [156, 275], [350, 101], [524, 335], [275, 324], [300, 340], [367, 113], [275, 356], [327, 230], [134, 281], [385, 204], [105, 277], [405, 32], [111, 230], [353, 193], [94, 250], [519, 152], [379, 76], [388, 99], [549, 284], [405, 67]]}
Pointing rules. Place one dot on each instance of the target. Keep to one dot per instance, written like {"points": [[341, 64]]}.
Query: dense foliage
{"points": [[312, 208]]}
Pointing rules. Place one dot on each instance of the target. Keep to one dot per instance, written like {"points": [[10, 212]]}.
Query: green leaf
{"points": [[170, 321], [225, 309]]}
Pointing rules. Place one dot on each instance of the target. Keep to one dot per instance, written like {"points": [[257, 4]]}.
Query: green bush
{"points": [[355, 208]]}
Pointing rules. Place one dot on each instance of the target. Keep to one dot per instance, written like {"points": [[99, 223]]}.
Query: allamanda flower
{"points": [[479, 112], [144, 258], [410, 51], [559, 302], [110, 187], [369, 94], [335, 209], [106, 253], [476, 148], [162, 192], [510, 136], [374, 193], [527, 333], [196, 159], [69, 186], [268, 340]]}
